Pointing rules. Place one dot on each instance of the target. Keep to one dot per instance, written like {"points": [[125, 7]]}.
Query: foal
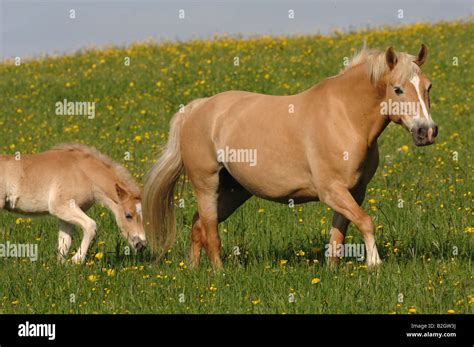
{"points": [[320, 144], [65, 182]]}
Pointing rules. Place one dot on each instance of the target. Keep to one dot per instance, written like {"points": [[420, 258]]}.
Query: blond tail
{"points": [[158, 199]]}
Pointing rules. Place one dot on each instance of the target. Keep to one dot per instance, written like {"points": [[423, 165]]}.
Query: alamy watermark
{"points": [[19, 250], [75, 108], [347, 250], [233, 155], [400, 108], [28, 329]]}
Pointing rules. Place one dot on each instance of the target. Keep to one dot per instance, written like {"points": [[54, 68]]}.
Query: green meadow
{"points": [[420, 198]]}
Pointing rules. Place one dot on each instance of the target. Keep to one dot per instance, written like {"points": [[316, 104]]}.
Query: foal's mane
{"points": [[122, 173], [377, 66]]}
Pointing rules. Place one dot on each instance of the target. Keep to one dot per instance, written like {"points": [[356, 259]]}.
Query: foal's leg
{"points": [[71, 213], [64, 239], [342, 202]]}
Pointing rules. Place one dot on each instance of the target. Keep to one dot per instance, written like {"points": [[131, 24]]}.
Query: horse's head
{"points": [[129, 218], [407, 95]]}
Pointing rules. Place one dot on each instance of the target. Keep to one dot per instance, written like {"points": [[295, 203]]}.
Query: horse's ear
{"points": [[422, 55], [122, 193], [391, 58]]}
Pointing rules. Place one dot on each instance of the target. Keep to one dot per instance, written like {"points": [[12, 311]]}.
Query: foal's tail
{"points": [[158, 192]]}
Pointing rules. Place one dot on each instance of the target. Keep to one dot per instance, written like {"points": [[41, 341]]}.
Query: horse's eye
{"points": [[129, 216], [398, 90]]}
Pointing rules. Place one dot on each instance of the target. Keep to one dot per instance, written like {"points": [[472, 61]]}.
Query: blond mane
{"points": [[122, 173], [377, 66]]}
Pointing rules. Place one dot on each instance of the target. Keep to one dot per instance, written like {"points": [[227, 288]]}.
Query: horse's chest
{"points": [[363, 170]]}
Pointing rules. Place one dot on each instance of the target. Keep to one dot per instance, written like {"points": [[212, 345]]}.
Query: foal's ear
{"points": [[422, 55], [122, 193], [391, 58]]}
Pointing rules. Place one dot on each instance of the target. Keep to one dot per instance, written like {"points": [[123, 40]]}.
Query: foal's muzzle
{"points": [[424, 135], [138, 243]]}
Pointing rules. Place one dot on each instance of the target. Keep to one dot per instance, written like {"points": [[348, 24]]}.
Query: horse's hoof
{"points": [[76, 260]]}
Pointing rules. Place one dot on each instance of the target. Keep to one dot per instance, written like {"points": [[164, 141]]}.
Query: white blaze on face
{"points": [[139, 209], [416, 83]]}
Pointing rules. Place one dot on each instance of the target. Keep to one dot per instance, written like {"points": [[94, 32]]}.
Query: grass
{"points": [[425, 245]]}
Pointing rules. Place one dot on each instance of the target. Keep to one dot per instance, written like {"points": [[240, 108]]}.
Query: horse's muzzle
{"points": [[424, 135]]}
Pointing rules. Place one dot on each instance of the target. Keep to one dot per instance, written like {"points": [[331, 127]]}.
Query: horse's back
{"points": [[32, 180], [260, 127]]}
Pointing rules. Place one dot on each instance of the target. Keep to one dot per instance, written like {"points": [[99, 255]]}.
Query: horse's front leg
{"points": [[340, 224], [341, 201]]}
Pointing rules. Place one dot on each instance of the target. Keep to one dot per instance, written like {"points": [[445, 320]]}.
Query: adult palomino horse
{"points": [[65, 182], [320, 144]]}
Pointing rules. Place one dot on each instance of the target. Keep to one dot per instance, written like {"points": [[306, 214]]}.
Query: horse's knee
{"points": [[196, 233], [90, 228], [64, 237], [366, 226]]}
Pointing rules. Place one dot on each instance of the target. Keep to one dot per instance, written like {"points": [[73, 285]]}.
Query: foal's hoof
{"points": [[61, 259], [374, 264], [76, 260]]}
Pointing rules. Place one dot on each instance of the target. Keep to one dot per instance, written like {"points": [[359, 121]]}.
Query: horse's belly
{"points": [[22, 202], [25, 205], [276, 185]]}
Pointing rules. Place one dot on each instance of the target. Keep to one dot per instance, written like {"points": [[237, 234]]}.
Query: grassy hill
{"points": [[426, 246]]}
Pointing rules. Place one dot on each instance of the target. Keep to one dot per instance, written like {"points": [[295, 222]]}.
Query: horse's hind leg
{"points": [[198, 236], [71, 213], [206, 227], [64, 239], [338, 234], [230, 195]]}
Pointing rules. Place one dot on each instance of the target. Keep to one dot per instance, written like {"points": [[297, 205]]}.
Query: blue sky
{"points": [[33, 28]]}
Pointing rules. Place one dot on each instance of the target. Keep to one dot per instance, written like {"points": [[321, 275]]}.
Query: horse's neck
{"points": [[103, 197], [104, 186], [362, 102]]}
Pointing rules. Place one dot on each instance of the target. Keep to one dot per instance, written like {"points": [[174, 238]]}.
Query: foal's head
{"points": [[408, 95], [129, 218]]}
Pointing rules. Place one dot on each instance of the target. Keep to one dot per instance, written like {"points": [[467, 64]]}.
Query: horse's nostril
{"points": [[435, 131], [140, 245], [422, 132]]}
